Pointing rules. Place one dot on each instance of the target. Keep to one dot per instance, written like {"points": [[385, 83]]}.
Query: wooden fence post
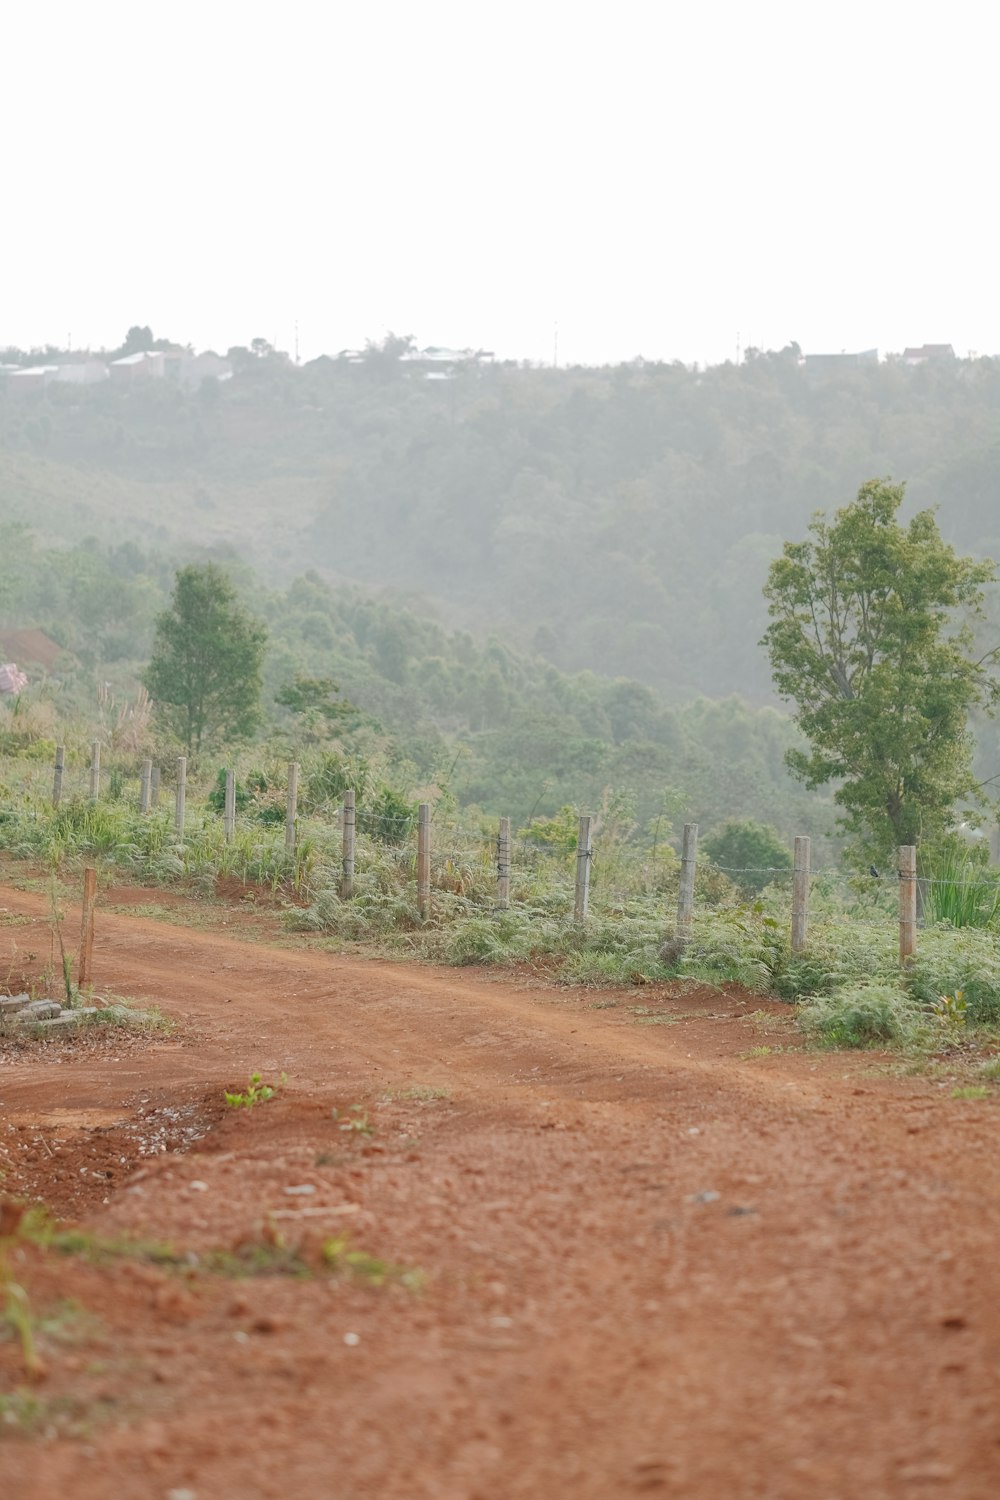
{"points": [[57, 778], [87, 927], [179, 796], [95, 770], [145, 782], [503, 864], [424, 860], [685, 895], [800, 895], [229, 815], [292, 810], [350, 816], [154, 787], [584, 856], [907, 903]]}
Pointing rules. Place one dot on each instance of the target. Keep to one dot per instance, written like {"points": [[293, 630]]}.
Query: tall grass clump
{"points": [[962, 892]]}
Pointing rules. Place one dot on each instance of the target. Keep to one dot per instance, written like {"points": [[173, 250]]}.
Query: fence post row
{"points": [[149, 797], [57, 778], [800, 895], [229, 816], [424, 860], [503, 864], [349, 816], [179, 796], [145, 783], [584, 856], [292, 810], [907, 903], [685, 895]]}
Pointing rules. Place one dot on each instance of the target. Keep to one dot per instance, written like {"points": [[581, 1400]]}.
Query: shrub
{"points": [[751, 853], [388, 817], [970, 962], [860, 1015]]}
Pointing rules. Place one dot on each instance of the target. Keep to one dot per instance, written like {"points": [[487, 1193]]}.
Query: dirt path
{"points": [[652, 1263]]}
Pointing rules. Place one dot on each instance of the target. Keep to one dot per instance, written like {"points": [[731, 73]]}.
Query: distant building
{"points": [[927, 353], [831, 364], [85, 372], [147, 364], [435, 363], [30, 378]]}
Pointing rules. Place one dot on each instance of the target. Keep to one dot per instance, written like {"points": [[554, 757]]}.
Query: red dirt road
{"points": [[652, 1265]]}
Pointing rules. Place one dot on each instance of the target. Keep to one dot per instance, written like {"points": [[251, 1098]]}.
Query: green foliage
{"points": [[864, 640], [752, 854], [947, 963], [329, 776], [962, 892], [258, 794], [356, 1120], [558, 833], [951, 1013], [339, 1256], [256, 1092], [205, 672], [15, 1308], [315, 704], [861, 1015], [216, 798], [387, 816]]}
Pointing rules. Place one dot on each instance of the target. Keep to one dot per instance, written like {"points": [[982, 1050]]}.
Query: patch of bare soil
{"points": [[653, 1259]]}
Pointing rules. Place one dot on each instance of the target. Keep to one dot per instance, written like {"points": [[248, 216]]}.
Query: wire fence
{"points": [[497, 871]]}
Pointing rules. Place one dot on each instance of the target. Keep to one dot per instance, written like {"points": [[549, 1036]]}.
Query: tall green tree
{"points": [[870, 638], [205, 671]]}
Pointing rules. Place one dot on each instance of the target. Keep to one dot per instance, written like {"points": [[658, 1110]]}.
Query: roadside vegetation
{"points": [[872, 624], [847, 985]]}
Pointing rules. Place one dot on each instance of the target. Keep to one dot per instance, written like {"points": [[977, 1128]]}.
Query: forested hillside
{"points": [[494, 728], [618, 520]]}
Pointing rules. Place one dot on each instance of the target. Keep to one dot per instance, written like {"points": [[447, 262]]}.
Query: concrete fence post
{"points": [[800, 895], [584, 858]]}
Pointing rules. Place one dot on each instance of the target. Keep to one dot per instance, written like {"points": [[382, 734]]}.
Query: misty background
{"points": [[663, 280]]}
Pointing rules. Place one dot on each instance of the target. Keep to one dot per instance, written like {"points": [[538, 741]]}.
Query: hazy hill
{"points": [[618, 519]]}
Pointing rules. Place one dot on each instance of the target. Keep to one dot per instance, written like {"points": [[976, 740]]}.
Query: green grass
{"points": [[963, 893], [270, 1257]]}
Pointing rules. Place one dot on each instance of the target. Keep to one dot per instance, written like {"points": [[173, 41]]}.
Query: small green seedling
{"points": [[339, 1257], [356, 1120], [256, 1092], [971, 1091], [951, 1011]]}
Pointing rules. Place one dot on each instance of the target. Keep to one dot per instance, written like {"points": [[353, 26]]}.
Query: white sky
{"points": [[656, 178]]}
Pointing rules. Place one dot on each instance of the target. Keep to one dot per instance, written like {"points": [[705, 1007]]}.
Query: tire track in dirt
{"points": [[298, 1003]]}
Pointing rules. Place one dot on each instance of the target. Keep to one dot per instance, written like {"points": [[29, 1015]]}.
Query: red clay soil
{"points": [[651, 1263]]}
